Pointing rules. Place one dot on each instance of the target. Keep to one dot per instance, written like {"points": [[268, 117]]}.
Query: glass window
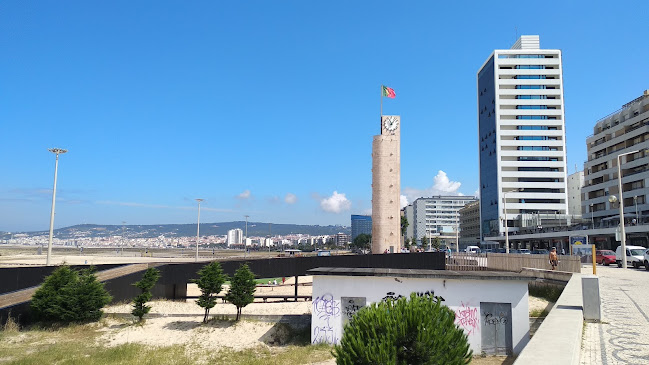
{"points": [[531, 87], [530, 67], [531, 106], [529, 77]]}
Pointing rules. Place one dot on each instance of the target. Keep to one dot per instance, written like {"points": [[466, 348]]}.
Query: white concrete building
{"points": [[437, 216], [235, 237], [575, 182], [623, 131], [491, 308], [521, 128]]}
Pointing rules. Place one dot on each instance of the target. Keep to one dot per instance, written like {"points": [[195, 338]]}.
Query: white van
{"points": [[634, 256], [472, 249]]}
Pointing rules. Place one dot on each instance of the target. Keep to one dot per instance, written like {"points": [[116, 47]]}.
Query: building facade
{"points": [[575, 182], [437, 216], [521, 128], [235, 237], [470, 224], [361, 224], [626, 131], [386, 186]]}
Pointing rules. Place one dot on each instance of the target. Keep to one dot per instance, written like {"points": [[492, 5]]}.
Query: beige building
{"points": [[470, 224], [624, 132], [386, 186]]}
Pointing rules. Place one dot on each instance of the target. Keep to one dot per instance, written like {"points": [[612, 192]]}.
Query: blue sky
{"points": [[268, 108]]}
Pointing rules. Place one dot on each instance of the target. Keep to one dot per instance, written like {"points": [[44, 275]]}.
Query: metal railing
{"points": [[508, 262]]}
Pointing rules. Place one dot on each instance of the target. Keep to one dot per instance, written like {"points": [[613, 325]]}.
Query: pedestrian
{"points": [[563, 251], [554, 260], [275, 282]]}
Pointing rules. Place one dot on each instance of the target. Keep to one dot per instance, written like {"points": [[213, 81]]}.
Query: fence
{"points": [[461, 261], [515, 262]]}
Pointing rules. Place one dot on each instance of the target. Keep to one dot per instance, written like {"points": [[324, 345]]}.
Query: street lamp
{"points": [[635, 201], [619, 186], [57, 152], [198, 226], [592, 219], [505, 218]]}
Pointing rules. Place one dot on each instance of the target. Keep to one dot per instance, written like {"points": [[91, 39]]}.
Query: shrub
{"points": [[210, 283], [242, 288], [415, 330], [150, 277], [70, 296]]}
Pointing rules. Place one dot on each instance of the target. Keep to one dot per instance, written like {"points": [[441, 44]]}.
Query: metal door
{"points": [[496, 321]]}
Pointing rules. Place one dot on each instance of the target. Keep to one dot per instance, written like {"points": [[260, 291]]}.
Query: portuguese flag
{"points": [[388, 92]]}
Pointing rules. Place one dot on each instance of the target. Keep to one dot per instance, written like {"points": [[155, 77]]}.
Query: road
{"points": [[623, 335]]}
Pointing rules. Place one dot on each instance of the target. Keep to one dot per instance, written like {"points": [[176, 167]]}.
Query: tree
{"points": [[413, 241], [414, 330], [362, 241], [242, 288], [148, 281], [70, 296], [406, 242], [210, 282], [424, 242], [436, 243], [404, 224]]}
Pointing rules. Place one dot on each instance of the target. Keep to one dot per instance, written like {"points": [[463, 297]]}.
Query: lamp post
{"points": [[198, 226], [57, 152], [635, 201], [505, 219], [245, 240], [592, 219], [619, 186]]}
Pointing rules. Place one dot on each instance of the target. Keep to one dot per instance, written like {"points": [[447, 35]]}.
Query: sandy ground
{"points": [[539, 304], [180, 323], [14, 260]]}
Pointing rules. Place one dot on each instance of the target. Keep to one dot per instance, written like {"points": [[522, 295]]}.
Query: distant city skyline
{"points": [[269, 110]]}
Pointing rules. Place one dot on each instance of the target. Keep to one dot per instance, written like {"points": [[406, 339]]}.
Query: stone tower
{"points": [[386, 186]]}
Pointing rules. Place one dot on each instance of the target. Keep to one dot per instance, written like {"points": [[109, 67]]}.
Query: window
{"points": [[535, 128], [531, 106], [531, 117], [536, 148], [530, 67], [529, 77], [531, 87], [530, 158], [531, 97]]}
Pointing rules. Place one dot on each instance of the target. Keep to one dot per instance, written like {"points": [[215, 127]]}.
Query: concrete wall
{"points": [[462, 296], [516, 262]]}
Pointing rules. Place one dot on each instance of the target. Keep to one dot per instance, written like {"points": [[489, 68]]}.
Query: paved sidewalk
{"points": [[623, 335]]}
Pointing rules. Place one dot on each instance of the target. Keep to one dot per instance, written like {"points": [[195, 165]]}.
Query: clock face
{"points": [[390, 123]]}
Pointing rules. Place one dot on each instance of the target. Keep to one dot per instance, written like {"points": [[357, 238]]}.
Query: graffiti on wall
{"points": [[392, 296], [351, 305], [325, 310], [467, 318]]}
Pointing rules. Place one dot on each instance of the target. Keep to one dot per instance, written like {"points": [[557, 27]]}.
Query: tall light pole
{"points": [[57, 152], [198, 226], [505, 219], [592, 219], [619, 186], [635, 201], [245, 240]]}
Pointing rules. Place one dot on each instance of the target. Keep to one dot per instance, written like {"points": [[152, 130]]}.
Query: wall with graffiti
{"points": [[337, 298]]}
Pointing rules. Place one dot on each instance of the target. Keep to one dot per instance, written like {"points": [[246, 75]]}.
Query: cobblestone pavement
{"points": [[623, 335]]}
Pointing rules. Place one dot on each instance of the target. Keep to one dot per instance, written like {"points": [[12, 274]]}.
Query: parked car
{"points": [[540, 252], [605, 257], [472, 249], [525, 251], [646, 260], [634, 256]]}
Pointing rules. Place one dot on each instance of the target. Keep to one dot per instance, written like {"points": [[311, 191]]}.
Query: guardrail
{"points": [[516, 262]]}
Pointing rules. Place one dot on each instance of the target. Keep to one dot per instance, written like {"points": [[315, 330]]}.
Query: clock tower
{"points": [[386, 186]]}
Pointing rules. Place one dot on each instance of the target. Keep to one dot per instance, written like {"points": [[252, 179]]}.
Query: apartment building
{"points": [[623, 133], [470, 224], [437, 216], [521, 128], [235, 237]]}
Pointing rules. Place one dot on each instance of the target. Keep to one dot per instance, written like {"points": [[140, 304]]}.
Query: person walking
{"points": [[554, 260]]}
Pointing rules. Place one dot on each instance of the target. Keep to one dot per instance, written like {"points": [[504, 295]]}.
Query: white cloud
{"points": [[245, 195], [336, 203], [442, 185], [367, 211], [403, 201], [290, 198]]}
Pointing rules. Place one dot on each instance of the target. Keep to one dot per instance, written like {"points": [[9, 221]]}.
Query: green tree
{"points": [[362, 241], [436, 243], [404, 224], [413, 241], [406, 242], [424, 242], [415, 330], [210, 282], [70, 296], [148, 281], [242, 288]]}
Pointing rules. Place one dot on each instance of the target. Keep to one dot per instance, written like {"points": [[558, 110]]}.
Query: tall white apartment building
{"points": [[521, 128], [235, 237]]}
